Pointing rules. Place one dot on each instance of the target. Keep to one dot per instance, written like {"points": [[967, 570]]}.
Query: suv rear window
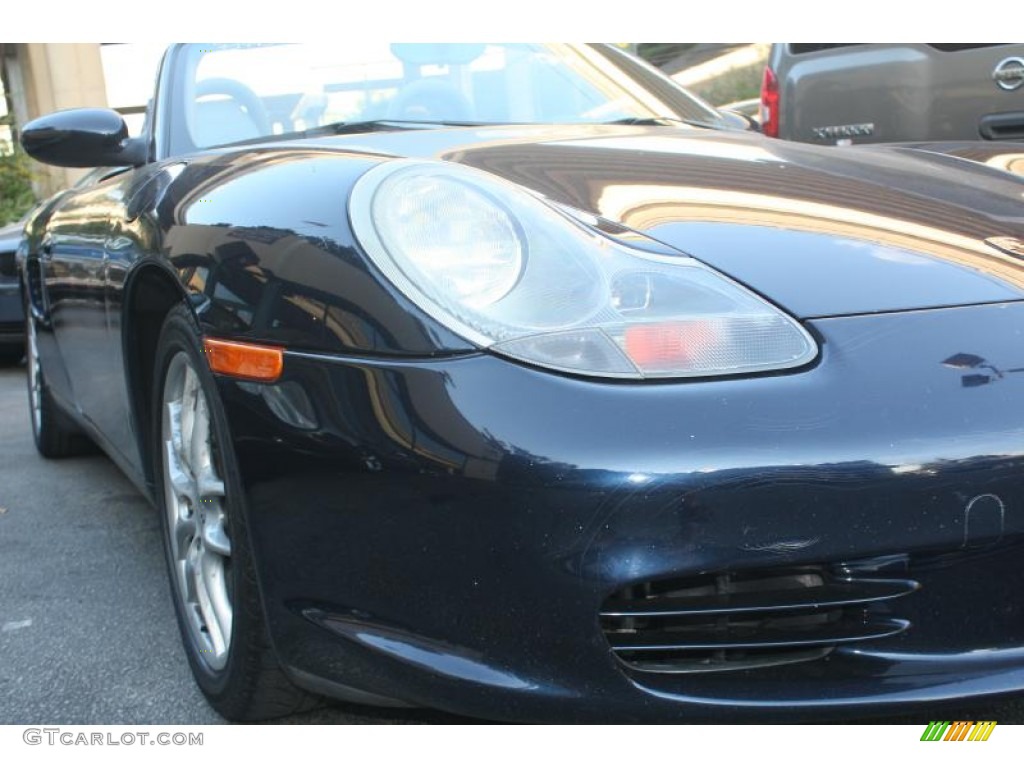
{"points": [[951, 47], [797, 48]]}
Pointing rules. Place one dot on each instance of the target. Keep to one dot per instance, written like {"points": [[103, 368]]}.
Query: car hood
{"points": [[822, 231]]}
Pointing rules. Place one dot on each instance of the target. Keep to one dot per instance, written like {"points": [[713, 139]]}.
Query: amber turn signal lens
{"points": [[244, 361]]}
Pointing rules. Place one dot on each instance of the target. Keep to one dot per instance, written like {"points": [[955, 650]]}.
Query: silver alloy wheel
{"points": [[196, 507], [35, 387]]}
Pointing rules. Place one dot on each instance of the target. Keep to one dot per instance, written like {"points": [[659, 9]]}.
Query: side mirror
{"points": [[83, 138]]}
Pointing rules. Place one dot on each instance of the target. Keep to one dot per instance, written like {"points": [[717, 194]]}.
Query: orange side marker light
{"points": [[669, 345], [255, 362]]}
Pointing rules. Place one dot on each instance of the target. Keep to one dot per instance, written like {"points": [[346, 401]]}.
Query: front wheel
{"points": [[213, 581]]}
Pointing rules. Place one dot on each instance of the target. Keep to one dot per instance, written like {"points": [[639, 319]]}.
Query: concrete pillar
{"points": [[57, 76]]}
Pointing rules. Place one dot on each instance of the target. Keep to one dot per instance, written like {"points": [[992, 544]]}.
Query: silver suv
{"points": [[839, 93]]}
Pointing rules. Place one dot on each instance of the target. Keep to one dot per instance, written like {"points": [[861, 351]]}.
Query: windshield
{"points": [[233, 93]]}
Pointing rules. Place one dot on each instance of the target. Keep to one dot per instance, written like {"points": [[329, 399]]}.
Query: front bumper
{"points": [[446, 532]]}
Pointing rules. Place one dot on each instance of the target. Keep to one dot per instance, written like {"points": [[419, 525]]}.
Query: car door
{"points": [[81, 237]]}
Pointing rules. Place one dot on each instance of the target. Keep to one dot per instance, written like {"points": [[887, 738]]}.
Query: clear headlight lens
{"points": [[507, 271], [450, 236]]}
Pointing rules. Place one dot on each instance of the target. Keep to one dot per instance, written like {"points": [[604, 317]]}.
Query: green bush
{"points": [[735, 85], [16, 195]]}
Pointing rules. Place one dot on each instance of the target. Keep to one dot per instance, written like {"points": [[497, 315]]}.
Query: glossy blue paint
{"points": [[433, 486]]}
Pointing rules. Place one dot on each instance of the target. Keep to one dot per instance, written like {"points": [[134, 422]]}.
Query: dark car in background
{"points": [[12, 304], [511, 380], [12, 319], [829, 93]]}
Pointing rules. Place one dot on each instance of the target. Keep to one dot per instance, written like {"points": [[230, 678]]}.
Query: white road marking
{"points": [[10, 626]]}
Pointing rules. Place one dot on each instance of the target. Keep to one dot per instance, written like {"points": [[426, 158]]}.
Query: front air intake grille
{"points": [[742, 621]]}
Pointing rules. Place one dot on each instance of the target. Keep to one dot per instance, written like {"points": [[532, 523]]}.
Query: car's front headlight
{"points": [[512, 274]]}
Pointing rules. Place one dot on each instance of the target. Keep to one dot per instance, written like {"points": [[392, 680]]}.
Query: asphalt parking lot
{"points": [[87, 633]]}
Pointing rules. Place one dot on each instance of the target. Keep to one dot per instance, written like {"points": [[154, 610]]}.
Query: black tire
{"points": [[55, 435], [247, 683], [11, 354]]}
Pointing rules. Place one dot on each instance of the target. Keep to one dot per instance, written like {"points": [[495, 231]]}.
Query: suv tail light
{"points": [[770, 103]]}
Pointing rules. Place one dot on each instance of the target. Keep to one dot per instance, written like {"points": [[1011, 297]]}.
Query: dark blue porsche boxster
{"points": [[513, 380]]}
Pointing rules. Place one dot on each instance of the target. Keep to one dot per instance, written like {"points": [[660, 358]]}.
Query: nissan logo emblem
{"points": [[1009, 73]]}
